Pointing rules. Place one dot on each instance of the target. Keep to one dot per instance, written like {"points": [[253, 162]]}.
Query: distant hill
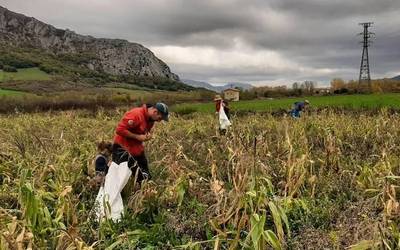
{"points": [[396, 78], [238, 85], [198, 84], [26, 41], [216, 88]]}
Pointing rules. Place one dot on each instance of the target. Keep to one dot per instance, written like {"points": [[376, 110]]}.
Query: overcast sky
{"points": [[260, 42]]}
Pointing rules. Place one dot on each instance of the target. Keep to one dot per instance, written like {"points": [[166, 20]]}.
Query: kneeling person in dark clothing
{"points": [[101, 162]]}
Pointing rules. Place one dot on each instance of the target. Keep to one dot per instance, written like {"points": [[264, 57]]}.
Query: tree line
{"points": [[309, 88]]}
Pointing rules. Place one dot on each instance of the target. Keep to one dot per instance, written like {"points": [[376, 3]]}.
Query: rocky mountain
{"points": [[396, 78], [216, 88], [113, 56]]}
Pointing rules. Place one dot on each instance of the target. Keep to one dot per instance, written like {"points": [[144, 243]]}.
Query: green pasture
{"points": [[368, 101], [24, 74], [6, 92]]}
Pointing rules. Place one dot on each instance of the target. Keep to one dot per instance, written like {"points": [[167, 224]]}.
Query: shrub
{"points": [[16, 60], [8, 68], [341, 91], [48, 68], [185, 110]]}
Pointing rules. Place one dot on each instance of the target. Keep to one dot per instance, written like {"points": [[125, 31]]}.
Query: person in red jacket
{"points": [[218, 101], [128, 157], [134, 129]]}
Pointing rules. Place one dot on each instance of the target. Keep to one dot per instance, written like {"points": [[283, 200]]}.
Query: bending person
{"points": [[298, 107], [128, 157]]}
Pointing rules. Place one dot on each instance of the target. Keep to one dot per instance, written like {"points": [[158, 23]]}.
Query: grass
{"points": [[24, 75], [10, 93], [169, 97], [53, 95], [134, 93], [328, 180], [343, 101]]}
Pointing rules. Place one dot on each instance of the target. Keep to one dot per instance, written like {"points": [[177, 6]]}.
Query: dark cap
{"points": [[163, 109]]}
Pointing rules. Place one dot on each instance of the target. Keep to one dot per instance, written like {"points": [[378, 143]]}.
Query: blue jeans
{"points": [[295, 113]]}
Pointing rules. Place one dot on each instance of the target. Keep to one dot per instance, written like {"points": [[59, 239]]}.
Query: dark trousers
{"points": [[135, 163], [227, 113]]}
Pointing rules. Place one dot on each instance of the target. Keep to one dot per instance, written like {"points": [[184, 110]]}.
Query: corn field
{"points": [[327, 180]]}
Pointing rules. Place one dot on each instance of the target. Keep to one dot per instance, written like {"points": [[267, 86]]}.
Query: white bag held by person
{"points": [[224, 122], [109, 201]]}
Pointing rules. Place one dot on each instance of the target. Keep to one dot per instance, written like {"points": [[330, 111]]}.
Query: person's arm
{"points": [[130, 122], [138, 137]]}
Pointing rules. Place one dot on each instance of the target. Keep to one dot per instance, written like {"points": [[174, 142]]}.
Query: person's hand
{"points": [[148, 136], [141, 137]]}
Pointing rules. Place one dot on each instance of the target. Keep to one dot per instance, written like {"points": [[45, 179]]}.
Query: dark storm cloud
{"points": [[327, 9], [308, 40]]}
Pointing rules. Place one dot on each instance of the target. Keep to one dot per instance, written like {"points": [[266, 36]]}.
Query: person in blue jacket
{"points": [[298, 107]]}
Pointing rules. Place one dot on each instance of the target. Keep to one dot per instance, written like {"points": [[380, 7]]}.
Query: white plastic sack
{"points": [[109, 201], [224, 122]]}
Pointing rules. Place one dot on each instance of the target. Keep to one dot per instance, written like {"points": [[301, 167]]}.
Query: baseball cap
{"points": [[163, 109]]}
